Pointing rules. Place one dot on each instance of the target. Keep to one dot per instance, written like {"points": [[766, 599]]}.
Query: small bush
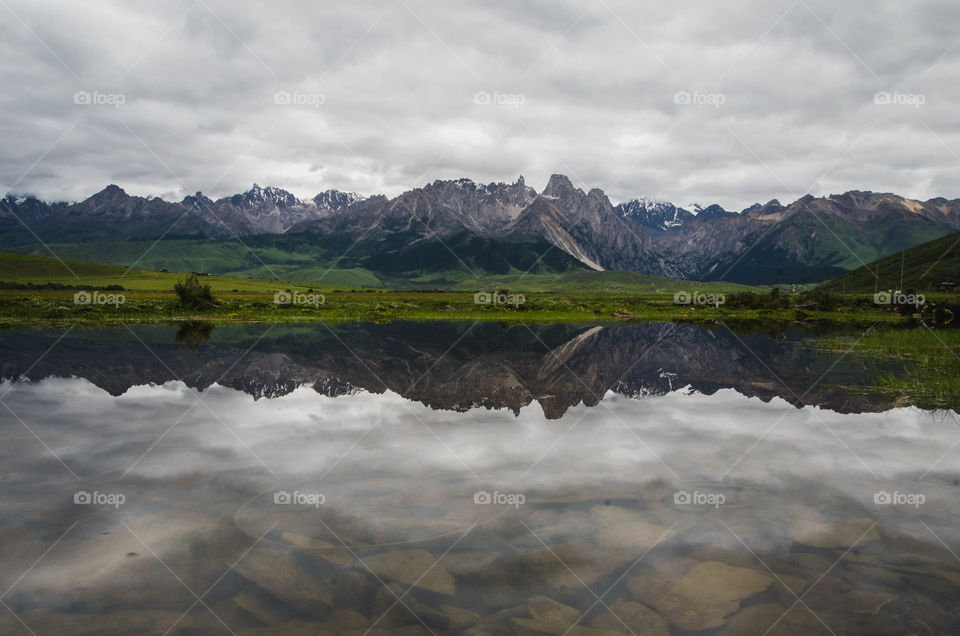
{"points": [[192, 294], [774, 299]]}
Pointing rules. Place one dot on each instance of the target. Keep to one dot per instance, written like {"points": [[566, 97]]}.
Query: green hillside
{"points": [[924, 267], [17, 269], [585, 280], [332, 259]]}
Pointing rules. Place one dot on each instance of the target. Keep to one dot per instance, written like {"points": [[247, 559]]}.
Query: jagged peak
{"points": [[333, 199], [557, 185], [198, 198], [277, 196], [462, 181], [113, 189], [336, 191]]}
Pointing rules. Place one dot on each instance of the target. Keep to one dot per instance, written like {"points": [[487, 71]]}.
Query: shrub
{"points": [[774, 299], [192, 294]]}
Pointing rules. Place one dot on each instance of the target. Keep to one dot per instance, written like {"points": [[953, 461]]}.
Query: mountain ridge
{"points": [[809, 240]]}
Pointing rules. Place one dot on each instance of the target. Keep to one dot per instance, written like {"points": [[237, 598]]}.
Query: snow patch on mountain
{"points": [[660, 216]]}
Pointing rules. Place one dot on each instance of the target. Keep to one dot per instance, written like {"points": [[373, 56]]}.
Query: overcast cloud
{"points": [[389, 95]]}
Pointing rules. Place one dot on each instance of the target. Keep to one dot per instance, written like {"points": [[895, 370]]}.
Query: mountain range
{"points": [[500, 227]]}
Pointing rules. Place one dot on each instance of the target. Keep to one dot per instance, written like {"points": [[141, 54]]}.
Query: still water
{"points": [[457, 478]]}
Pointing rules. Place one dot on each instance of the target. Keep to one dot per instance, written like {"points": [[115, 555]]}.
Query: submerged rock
{"points": [[533, 627], [285, 577], [774, 619], [460, 619], [391, 612], [498, 623], [461, 563], [640, 619], [702, 599], [413, 567], [332, 554], [543, 608]]}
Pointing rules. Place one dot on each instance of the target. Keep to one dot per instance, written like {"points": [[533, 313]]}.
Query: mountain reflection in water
{"points": [[386, 504], [453, 366]]}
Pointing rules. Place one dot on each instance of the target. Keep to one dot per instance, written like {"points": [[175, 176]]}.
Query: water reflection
{"points": [[455, 366], [192, 334], [292, 498]]}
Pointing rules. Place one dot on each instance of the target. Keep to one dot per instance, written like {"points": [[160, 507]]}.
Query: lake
{"points": [[449, 478]]}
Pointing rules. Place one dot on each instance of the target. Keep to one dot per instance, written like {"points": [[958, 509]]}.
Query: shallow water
{"points": [[415, 478]]}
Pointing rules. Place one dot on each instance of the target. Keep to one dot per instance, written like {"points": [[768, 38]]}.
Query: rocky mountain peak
{"points": [[660, 216], [112, 191], [257, 196], [333, 200], [597, 193], [197, 200], [559, 186]]}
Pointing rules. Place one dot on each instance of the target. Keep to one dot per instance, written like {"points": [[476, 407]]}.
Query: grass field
{"points": [[583, 280], [578, 296], [17, 268]]}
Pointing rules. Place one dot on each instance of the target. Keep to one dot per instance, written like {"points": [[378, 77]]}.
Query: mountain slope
{"points": [[810, 240], [587, 226], [924, 267]]}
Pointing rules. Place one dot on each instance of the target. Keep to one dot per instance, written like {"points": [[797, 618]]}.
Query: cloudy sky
{"points": [[731, 102]]}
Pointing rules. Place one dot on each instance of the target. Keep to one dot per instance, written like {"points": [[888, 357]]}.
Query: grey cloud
{"points": [[596, 84]]}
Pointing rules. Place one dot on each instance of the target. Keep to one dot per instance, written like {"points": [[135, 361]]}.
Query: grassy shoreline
{"points": [[57, 308], [930, 377]]}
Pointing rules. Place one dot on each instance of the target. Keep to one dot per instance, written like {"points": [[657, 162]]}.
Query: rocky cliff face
{"points": [[587, 226], [437, 209]]}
